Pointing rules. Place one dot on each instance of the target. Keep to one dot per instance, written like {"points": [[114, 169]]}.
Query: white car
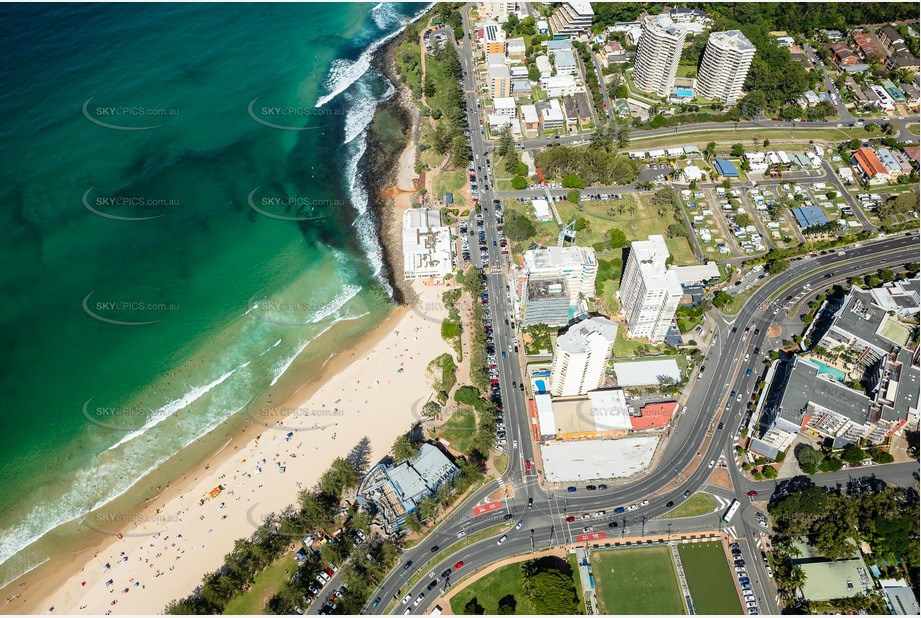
{"points": [[644, 502], [502, 539], [633, 507], [711, 464], [419, 599], [514, 443], [406, 599]]}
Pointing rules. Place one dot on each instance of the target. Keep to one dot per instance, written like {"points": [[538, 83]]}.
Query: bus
{"points": [[731, 511]]}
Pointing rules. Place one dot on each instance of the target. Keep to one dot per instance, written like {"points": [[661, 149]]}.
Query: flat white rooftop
{"points": [[644, 373], [588, 460]]}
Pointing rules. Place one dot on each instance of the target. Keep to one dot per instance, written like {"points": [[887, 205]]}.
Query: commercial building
{"points": [[646, 373], [894, 161], [654, 416], [577, 264], [658, 54], [726, 168], [600, 414], [870, 167], [649, 291], [832, 579], [900, 297], [572, 19], [581, 357], [396, 491], [727, 59], [427, 247]]}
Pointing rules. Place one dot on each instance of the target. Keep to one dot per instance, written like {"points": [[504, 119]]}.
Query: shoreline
{"points": [[68, 582]]}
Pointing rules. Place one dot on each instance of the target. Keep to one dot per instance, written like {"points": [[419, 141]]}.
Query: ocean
{"points": [[184, 217]]}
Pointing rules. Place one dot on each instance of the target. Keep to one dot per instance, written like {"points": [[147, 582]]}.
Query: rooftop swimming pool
{"points": [[834, 372]]}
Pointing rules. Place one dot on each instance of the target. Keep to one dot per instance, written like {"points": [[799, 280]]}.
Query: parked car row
{"points": [[748, 595]]}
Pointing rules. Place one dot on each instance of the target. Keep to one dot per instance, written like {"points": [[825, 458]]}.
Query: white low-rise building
{"points": [[693, 173], [551, 117], [559, 85], [504, 106], [544, 66], [426, 245]]}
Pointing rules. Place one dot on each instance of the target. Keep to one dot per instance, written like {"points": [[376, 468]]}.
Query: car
{"points": [[434, 548], [502, 539], [408, 564], [644, 502], [591, 487], [744, 580], [613, 524], [530, 502], [527, 465], [570, 519], [751, 605], [763, 523], [720, 425], [619, 510], [376, 602], [571, 489], [419, 599], [600, 513], [748, 371], [519, 524], [752, 493], [739, 397], [458, 565], [585, 516], [587, 529], [432, 584], [739, 569], [670, 503], [602, 486], [687, 494], [461, 534], [633, 507], [407, 598], [711, 464], [507, 516]]}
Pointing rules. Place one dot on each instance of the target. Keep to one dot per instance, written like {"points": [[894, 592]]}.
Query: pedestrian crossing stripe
{"points": [[731, 530]]}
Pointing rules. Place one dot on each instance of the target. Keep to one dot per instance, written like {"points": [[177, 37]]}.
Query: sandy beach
{"points": [[174, 541], [166, 547]]}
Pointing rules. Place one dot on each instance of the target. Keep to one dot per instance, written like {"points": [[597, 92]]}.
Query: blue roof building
{"points": [[810, 216], [726, 168]]}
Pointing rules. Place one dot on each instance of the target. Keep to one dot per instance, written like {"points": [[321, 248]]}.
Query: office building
{"points": [[658, 54], [725, 66], [649, 291], [577, 264], [581, 357]]}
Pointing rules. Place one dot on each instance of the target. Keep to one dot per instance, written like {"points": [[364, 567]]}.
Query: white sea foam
{"points": [[164, 412], [361, 108], [283, 366], [344, 73]]}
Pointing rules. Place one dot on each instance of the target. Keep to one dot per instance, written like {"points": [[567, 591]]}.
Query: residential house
{"points": [[843, 55], [565, 62], [867, 45], [569, 110], [904, 59], [894, 161], [612, 52], [832, 35], [583, 108], [529, 118], [544, 66], [559, 86], [889, 37]]}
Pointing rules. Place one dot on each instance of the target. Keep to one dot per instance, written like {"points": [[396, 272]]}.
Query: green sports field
{"points": [[712, 586], [637, 581]]}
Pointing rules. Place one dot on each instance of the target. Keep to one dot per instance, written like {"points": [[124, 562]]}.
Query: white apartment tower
{"points": [[657, 55], [581, 357], [577, 264], [649, 292], [572, 19], [725, 65]]}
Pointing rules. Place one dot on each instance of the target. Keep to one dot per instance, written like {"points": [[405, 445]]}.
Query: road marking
{"points": [[731, 530]]}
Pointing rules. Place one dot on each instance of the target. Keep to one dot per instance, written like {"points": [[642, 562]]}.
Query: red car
{"points": [[458, 565], [527, 465], [570, 519], [752, 494]]}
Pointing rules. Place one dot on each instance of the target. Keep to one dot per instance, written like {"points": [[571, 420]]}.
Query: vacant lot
{"points": [[712, 586], [637, 581], [698, 504]]}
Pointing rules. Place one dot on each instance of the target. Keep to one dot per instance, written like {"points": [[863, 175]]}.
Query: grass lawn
{"points": [[698, 504], [602, 215], [712, 586], [627, 347], [450, 182], [267, 583], [686, 70], [637, 581], [914, 128], [460, 429], [500, 460], [503, 581]]}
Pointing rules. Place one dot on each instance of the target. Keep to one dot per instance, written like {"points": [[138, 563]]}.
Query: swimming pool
{"points": [[834, 372], [685, 93], [541, 386]]}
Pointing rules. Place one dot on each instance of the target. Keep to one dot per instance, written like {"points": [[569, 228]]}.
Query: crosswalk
{"points": [[731, 531], [723, 502]]}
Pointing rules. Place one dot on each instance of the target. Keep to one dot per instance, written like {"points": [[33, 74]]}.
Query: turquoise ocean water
{"points": [[179, 221]]}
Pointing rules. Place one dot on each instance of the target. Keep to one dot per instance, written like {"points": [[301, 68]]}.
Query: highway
{"points": [[696, 439]]}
